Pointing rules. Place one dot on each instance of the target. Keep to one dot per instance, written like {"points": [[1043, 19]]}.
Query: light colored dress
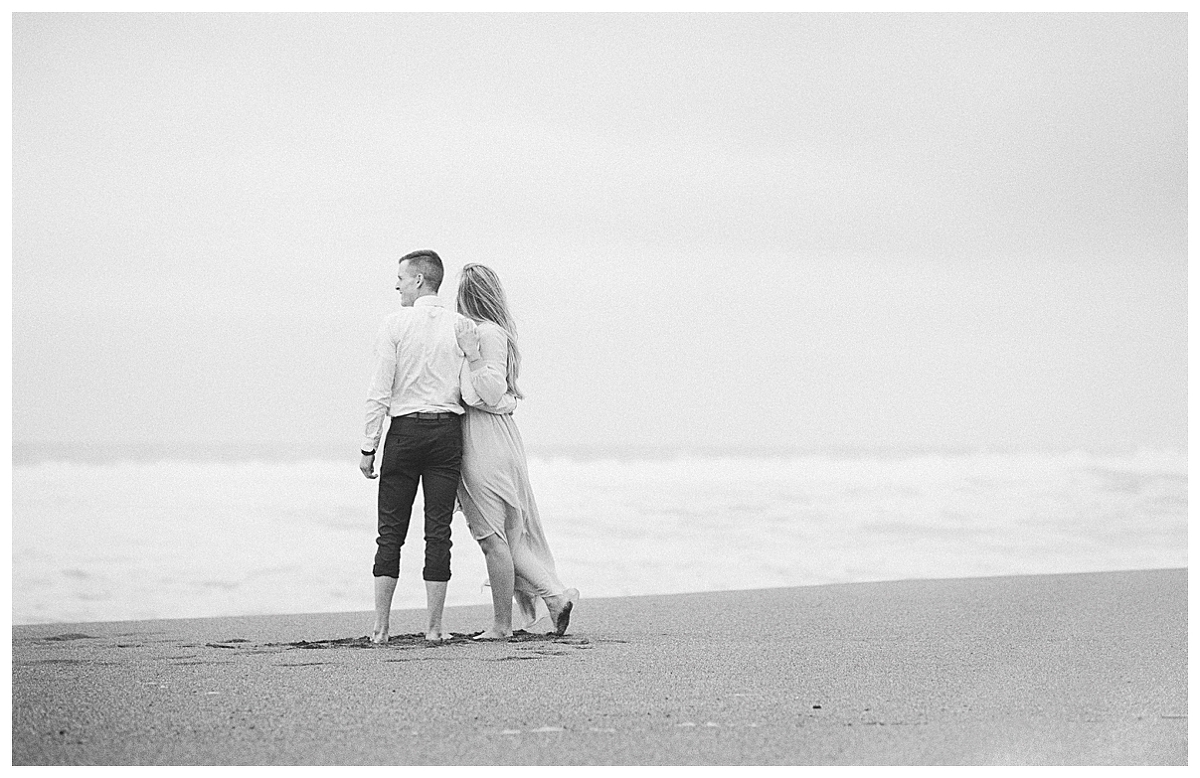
{"points": [[494, 492]]}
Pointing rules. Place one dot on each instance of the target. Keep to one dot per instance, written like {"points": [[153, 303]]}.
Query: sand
{"points": [[1061, 669]]}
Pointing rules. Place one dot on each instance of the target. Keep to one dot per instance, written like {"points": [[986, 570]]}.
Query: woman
{"points": [[494, 491]]}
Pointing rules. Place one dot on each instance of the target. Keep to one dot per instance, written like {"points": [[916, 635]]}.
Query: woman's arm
{"points": [[485, 378]]}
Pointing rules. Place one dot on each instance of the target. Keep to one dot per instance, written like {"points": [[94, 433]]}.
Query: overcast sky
{"points": [[865, 231]]}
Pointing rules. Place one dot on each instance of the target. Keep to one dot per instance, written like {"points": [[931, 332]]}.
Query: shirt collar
{"points": [[429, 299]]}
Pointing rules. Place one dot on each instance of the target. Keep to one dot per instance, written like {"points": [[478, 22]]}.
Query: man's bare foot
{"points": [[493, 634], [379, 636], [560, 609]]}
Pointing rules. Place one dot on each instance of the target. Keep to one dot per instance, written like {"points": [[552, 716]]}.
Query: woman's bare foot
{"points": [[379, 634], [493, 634], [560, 609], [437, 636]]}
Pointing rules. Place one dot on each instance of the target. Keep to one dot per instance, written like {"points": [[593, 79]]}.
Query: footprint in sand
{"points": [[71, 636], [56, 662]]}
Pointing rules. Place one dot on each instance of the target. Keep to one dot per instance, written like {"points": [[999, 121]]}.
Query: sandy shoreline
{"points": [[1059, 669]]}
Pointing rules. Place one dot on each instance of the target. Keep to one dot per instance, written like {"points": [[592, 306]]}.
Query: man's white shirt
{"points": [[417, 365]]}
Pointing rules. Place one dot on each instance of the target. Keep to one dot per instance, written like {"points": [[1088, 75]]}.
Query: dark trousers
{"points": [[428, 451]]}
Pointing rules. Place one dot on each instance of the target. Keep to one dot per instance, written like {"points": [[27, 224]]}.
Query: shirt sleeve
{"points": [[485, 381], [379, 396]]}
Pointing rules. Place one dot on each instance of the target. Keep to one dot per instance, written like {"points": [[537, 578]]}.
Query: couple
{"points": [[429, 362]]}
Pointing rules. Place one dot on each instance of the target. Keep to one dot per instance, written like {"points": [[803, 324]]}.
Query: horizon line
{"points": [[25, 452]]}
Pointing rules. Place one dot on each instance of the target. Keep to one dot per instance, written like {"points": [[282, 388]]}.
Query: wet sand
{"points": [[1062, 669]]}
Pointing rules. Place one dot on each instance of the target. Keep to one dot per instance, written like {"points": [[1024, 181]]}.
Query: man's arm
{"points": [[379, 397]]}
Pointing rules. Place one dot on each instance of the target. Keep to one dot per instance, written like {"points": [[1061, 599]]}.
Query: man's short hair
{"points": [[427, 263]]}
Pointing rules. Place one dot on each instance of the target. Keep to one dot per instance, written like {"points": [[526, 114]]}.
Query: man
{"points": [[416, 383]]}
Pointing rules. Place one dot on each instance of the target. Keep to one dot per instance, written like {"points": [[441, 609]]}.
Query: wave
{"points": [[131, 539]]}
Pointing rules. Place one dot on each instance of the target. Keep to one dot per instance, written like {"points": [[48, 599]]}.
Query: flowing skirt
{"points": [[496, 498]]}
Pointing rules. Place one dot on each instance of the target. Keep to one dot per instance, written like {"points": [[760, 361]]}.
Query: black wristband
{"points": [[366, 453]]}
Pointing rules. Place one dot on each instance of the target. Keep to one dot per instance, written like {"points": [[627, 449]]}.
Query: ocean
{"points": [[98, 538]]}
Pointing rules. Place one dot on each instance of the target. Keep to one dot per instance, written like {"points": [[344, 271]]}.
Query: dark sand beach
{"points": [[1056, 669]]}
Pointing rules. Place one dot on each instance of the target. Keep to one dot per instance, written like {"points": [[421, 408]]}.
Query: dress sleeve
{"points": [[466, 388], [485, 381]]}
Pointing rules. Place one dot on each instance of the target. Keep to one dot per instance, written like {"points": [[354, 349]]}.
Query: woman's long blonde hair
{"points": [[481, 297]]}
